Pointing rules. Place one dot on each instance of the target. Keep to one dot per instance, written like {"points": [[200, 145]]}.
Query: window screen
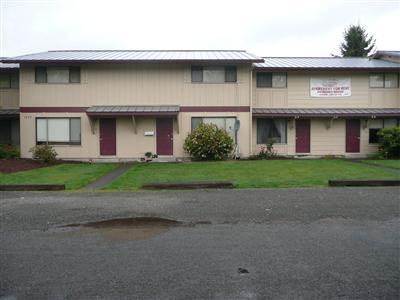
{"points": [[214, 74], [40, 75], [74, 75], [264, 80], [230, 74], [271, 130], [384, 80], [197, 74], [391, 80], [58, 75]]}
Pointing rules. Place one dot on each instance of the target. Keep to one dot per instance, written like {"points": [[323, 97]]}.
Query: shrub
{"points": [[389, 142], [267, 151], [44, 153], [208, 142], [8, 151]]}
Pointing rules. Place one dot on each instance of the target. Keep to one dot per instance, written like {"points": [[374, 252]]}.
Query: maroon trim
{"points": [[215, 109], [326, 115], [271, 69], [112, 114], [52, 109]]}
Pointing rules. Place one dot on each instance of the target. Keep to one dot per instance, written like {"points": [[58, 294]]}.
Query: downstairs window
{"points": [[271, 131], [65, 131]]}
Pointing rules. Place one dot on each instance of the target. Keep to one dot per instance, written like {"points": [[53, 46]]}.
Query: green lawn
{"points": [[394, 163], [246, 174], [74, 176]]}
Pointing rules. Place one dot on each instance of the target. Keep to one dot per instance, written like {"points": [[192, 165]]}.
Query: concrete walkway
{"points": [[375, 165], [106, 179]]}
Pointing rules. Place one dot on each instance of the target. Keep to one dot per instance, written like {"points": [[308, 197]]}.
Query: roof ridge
{"points": [[147, 50], [318, 57]]}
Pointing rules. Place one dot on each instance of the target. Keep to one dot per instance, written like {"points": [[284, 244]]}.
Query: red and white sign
{"points": [[330, 87]]}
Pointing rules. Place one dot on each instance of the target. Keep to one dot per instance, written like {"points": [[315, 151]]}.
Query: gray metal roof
{"points": [[132, 110], [326, 112], [325, 63], [7, 66], [9, 112], [239, 56], [381, 53]]}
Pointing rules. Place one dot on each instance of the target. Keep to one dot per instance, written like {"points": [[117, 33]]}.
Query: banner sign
{"points": [[330, 87]]}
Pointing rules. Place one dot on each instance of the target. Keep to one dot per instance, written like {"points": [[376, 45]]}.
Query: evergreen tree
{"points": [[356, 42]]}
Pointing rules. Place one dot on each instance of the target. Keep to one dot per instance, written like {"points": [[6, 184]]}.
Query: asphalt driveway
{"points": [[339, 243]]}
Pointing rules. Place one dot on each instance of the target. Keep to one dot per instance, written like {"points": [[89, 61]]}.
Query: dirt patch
{"points": [[16, 165]]}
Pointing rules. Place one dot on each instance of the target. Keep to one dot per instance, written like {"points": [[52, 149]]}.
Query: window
{"points": [[271, 80], [214, 74], [383, 80], [58, 131], [228, 124], [271, 130], [57, 75], [376, 124], [9, 80]]}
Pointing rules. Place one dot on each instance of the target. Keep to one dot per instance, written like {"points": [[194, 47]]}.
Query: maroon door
{"points": [[353, 136], [302, 136], [107, 137], [164, 128]]}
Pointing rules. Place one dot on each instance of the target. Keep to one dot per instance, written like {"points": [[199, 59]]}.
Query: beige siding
{"points": [[297, 93], [130, 145], [9, 98], [135, 85], [325, 140]]}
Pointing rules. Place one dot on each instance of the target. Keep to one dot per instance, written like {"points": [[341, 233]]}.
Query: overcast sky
{"points": [[266, 28]]}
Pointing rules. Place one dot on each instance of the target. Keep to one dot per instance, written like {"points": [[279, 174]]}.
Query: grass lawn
{"points": [[74, 176], [394, 163], [246, 174]]}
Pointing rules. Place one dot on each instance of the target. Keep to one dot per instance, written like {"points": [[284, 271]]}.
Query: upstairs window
{"points": [[57, 75], [214, 74], [9, 80], [384, 80], [271, 80]]}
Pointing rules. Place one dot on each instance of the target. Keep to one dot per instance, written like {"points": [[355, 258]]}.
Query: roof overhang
{"points": [[9, 113], [326, 112], [111, 111]]}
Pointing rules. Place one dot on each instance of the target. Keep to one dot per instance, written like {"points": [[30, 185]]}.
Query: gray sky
{"points": [[267, 28]]}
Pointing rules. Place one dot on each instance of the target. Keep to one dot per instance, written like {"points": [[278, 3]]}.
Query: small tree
{"points": [[389, 142], [356, 42], [208, 142]]}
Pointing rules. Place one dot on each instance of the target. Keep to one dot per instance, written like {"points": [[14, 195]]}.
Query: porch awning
{"points": [[164, 110], [9, 113], [326, 112]]}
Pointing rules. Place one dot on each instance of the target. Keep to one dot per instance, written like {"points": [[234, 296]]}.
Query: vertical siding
{"points": [[297, 93], [135, 85]]}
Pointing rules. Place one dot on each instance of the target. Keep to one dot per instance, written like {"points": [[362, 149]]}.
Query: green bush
{"points": [[44, 153], [208, 142], [389, 142], [8, 151]]}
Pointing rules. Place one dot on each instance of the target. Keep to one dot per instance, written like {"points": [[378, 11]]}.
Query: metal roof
{"points": [[9, 112], [133, 110], [326, 112], [325, 63], [7, 66], [381, 53], [239, 56]]}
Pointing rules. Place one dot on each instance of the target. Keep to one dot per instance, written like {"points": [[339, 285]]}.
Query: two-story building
{"points": [[117, 105]]}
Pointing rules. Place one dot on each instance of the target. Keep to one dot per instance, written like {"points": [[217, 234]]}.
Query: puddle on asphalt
{"points": [[126, 229]]}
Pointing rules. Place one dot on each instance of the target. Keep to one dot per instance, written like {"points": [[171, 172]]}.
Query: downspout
{"points": [[251, 111]]}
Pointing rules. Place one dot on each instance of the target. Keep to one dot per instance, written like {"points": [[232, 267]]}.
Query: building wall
{"points": [[130, 145], [325, 141], [297, 93], [135, 85], [9, 98]]}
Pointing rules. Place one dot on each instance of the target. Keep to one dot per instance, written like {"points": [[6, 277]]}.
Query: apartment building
{"points": [[117, 105]]}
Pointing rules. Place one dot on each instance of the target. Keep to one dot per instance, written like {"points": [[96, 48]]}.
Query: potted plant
{"points": [[148, 156]]}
